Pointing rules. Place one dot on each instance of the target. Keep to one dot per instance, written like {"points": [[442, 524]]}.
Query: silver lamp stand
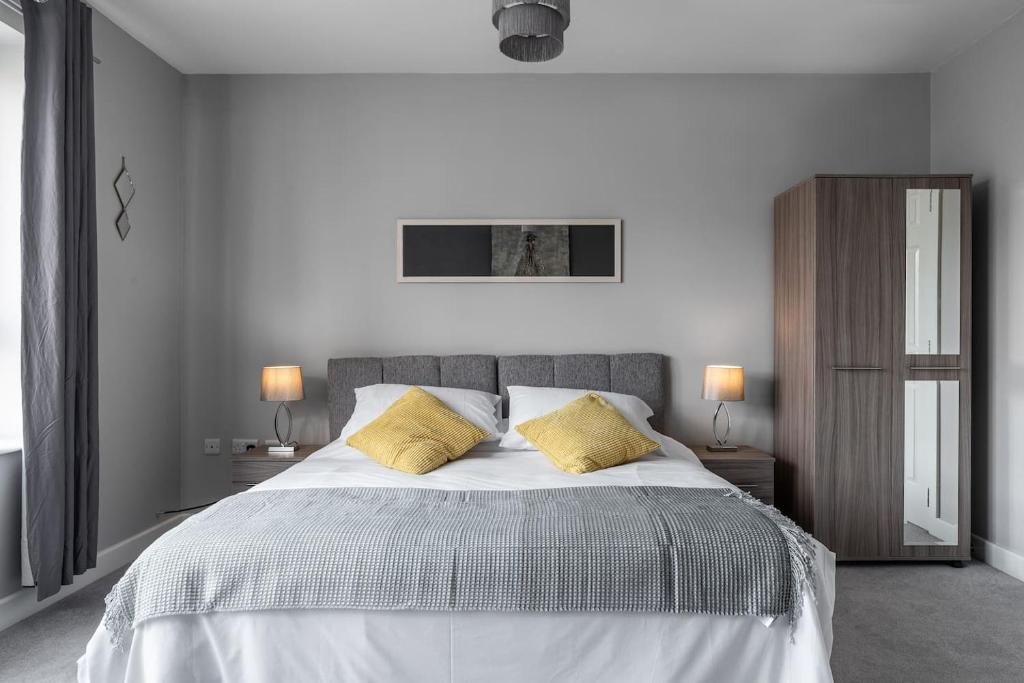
{"points": [[722, 442], [287, 445]]}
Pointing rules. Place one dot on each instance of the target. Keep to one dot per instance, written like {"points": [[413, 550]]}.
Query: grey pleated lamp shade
{"points": [[530, 30]]}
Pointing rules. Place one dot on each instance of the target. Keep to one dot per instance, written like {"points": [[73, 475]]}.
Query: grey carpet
{"points": [[910, 622], [927, 622], [47, 645]]}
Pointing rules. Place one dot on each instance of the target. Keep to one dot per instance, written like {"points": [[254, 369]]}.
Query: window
{"points": [[12, 75]]}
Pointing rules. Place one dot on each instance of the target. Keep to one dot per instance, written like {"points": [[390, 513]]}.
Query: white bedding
{"points": [[352, 645]]}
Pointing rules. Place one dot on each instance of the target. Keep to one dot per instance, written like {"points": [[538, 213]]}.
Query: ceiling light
{"points": [[530, 30]]}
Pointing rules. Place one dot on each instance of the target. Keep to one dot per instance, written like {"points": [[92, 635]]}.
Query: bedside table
{"points": [[747, 468], [255, 466]]}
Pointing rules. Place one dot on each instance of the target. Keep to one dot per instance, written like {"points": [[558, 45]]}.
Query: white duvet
{"points": [[353, 645]]}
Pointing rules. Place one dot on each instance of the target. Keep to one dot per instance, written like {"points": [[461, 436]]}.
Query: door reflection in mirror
{"points": [[933, 271], [931, 463]]}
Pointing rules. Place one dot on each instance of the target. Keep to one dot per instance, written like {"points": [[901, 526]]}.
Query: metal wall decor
{"points": [[530, 30], [124, 188]]}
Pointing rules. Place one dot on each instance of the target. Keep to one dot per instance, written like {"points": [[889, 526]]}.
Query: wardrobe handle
{"points": [[857, 368], [935, 367]]}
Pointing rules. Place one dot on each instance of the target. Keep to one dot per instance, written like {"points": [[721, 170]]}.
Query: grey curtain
{"points": [[58, 243]]}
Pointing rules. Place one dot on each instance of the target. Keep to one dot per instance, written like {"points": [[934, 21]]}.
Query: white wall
{"points": [[978, 127], [294, 184], [138, 114]]}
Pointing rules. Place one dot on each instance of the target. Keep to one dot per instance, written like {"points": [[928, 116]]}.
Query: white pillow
{"points": [[479, 407], [526, 403]]}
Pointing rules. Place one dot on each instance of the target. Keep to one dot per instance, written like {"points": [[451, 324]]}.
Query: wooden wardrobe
{"points": [[872, 364]]}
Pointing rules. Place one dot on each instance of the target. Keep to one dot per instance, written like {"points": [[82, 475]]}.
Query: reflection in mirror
{"points": [[933, 271], [931, 463]]}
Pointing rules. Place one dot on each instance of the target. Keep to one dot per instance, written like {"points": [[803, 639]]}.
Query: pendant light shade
{"points": [[530, 30]]}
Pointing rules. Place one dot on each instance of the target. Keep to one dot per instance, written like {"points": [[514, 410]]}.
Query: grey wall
{"points": [[978, 127], [10, 521], [294, 184], [138, 114]]}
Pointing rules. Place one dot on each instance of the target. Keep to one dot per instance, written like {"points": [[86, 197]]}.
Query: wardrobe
{"points": [[873, 364]]}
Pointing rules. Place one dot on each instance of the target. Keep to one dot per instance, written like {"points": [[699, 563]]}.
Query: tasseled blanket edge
{"points": [[116, 618], [801, 555]]}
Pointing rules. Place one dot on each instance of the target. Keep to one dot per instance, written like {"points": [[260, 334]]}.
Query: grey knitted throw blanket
{"points": [[591, 549]]}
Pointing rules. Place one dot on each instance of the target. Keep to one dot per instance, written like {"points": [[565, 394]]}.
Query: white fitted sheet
{"points": [[357, 645]]}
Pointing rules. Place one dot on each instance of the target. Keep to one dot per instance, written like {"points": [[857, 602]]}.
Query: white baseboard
{"points": [[1006, 561], [23, 603]]}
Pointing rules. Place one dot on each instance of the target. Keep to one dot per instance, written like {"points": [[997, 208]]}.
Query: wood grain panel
{"points": [[840, 268], [256, 472], [747, 468], [756, 478], [795, 227], [856, 309], [258, 465]]}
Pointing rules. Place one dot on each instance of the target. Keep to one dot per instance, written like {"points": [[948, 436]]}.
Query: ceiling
{"points": [[606, 36]]}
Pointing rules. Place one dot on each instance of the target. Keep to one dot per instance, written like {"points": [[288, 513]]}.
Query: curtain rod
{"points": [[15, 6]]}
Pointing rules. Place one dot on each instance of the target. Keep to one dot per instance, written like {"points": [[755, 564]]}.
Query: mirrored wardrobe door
{"points": [[934, 390], [931, 460], [933, 271]]}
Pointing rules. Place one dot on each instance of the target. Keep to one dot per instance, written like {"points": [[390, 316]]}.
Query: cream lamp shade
{"points": [[281, 383], [723, 383]]}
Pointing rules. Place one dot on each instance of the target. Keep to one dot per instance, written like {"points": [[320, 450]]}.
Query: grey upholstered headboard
{"points": [[640, 374]]}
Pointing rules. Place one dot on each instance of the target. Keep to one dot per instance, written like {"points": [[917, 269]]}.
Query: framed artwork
{"points": [[510, 250]]}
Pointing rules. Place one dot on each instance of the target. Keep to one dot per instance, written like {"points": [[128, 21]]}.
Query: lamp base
{"points": [[722, 449], [281, 450]]}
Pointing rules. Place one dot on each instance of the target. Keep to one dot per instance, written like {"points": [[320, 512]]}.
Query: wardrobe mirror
{"points": [[933, 271], [931, 463]]}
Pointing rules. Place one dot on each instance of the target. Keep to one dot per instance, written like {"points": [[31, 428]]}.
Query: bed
{"points": [[435, 645]]}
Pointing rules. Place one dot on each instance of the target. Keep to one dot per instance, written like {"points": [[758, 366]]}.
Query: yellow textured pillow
{"points": [[586, 435], [416, 434]]}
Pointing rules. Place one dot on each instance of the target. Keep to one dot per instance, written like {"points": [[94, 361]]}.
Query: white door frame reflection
{"points": [[931, 462], [933, 272]]}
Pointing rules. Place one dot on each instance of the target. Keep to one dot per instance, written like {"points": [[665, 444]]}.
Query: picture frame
{"points": [[509, 250]]}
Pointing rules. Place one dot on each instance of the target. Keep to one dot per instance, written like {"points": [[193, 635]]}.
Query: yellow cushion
{"points": [[586, 435], [416, 434]]}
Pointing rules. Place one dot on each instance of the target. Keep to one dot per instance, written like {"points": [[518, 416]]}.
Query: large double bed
{"points": [[323, 642]]}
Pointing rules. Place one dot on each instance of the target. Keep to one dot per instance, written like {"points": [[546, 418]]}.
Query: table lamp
{"points": [[722, 383], [282, 383]]}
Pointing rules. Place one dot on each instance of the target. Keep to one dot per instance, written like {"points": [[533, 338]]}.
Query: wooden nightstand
{"points": [[748, 468], [255, 466]]}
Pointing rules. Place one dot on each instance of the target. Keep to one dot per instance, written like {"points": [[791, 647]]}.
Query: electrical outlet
{"points": [[243, 445], [211, 446]]}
